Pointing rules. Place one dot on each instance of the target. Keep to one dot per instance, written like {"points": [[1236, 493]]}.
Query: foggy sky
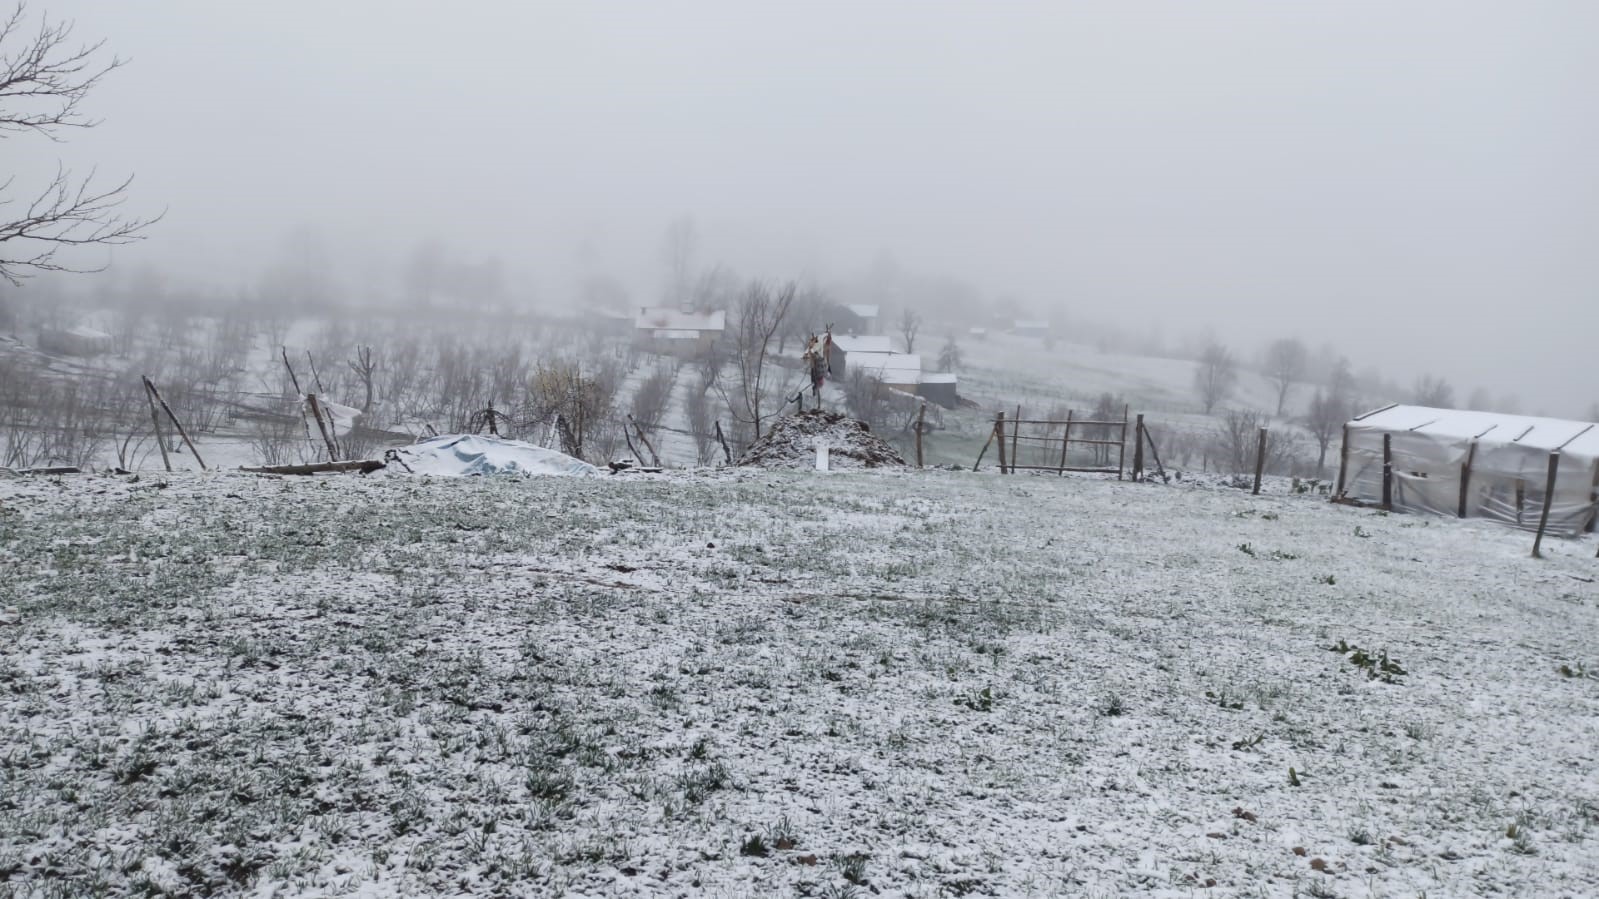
{"points": [[1417, 183]]}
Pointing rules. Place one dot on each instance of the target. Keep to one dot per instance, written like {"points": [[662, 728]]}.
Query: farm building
{"points": [[78, 341], [939, 387], [839, 355], [899, 370], [674, 332], [855, 318], [1474, 465]]}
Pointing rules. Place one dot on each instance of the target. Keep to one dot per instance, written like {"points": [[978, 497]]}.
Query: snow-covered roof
{"points": [[890, 368], [862, 310], [88, 333], [938, 377], [1022, 325], [671, 334], [868, 344], [1572, 438], [665, 318]]}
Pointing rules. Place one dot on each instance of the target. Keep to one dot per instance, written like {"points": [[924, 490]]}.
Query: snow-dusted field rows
{"points": [[753, 684]]}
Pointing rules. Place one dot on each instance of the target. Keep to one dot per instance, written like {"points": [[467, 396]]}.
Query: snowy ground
{"points": [[904, 684]]}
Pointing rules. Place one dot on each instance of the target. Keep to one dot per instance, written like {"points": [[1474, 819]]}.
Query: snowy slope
{"points": [[905, 684]]}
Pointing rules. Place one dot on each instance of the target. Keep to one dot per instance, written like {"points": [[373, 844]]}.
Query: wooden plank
{"points": [[316, 412], [1375, 412], [921, 416], [366, 466]]}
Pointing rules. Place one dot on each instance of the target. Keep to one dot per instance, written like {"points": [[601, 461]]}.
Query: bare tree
{"points": [[44, 79], [1285, 364], [949, 358], [910, 322], [757, 318], [1434, 392], [364, 368], [1215, 376], [1325, 420]]}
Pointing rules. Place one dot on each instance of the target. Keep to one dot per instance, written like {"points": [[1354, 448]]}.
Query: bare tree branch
{"points": [[44, 79]]}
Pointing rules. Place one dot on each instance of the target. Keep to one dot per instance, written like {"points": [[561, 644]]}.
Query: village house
{"points": [[673, 332]]}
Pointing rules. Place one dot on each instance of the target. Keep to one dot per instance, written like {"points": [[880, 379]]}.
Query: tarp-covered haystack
{"points": [[464, 455], [792, 441]]}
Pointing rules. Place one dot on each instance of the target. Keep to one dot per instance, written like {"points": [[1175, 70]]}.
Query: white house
{"points": [[670, 331]]}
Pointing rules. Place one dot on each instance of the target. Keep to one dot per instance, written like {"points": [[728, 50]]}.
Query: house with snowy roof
{"points": [[675, 332]]}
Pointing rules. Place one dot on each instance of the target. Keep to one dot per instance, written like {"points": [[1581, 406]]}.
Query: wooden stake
{"points": [[155, 421], [1388, 472], [645, 440], [1548, 500], [1121, 460], [1138, 449], [1065, 442], [727, 453], [292, 378], [1156, 453], [316, 378], [999, 431], [316, 412], [1343, 464], [150, 385], [984, 451], [1015, 435], [1465, 480], [1260, 460], [921, 418]]}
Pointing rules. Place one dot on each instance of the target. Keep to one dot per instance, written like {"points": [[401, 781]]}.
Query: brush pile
{"points": [[791, 443]]}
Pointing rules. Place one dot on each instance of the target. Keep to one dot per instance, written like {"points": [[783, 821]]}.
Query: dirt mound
{"points": [[791, 443]]}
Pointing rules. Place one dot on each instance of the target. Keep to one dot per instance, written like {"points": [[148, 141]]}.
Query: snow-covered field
{"points": [[750, 683]]}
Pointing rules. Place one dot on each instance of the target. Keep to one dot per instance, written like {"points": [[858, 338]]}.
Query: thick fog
{"points": [[1416, 183]]}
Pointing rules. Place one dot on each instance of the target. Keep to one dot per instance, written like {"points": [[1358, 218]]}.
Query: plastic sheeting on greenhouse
{"points": [[1481, 464]]}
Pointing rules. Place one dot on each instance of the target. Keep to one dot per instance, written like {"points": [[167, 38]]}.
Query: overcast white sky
{"points": [[1416, 182]]}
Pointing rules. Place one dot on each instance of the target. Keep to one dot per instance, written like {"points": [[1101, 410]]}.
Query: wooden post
{"points": [[1065, 442], [921, 417], [150, 386], [1465, 480], [999, 431], [1260, 460], [1153, 451], [1121, 460], [644, 440], [315, 377], [726, 453], [316, 412], [292, 378], [1138, 449], [1388, 472], [1015, 436], [493, 428], [1343, 464], [1548, 500], [984, 451], [155, 421]]}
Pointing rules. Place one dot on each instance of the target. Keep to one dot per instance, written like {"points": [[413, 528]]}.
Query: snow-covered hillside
{"points": [[756, 683]]}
